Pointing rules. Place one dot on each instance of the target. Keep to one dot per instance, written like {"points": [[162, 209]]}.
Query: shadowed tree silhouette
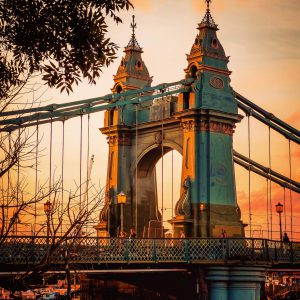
{"points": [[65, 40]]}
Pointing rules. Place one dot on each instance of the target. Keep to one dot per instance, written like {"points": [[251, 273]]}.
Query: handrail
{"points": [[97, 250]]}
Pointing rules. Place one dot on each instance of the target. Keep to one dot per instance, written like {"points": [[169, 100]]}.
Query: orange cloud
{"points": [[259, 211], [294, 119], [146, 5], [259, 199], [142, 4]]}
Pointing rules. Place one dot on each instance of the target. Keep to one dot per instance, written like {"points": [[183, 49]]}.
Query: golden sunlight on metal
{"points": [[121, 198]]}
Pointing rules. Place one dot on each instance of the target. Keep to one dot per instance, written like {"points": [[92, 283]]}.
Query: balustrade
{"points": [[31, 250]]}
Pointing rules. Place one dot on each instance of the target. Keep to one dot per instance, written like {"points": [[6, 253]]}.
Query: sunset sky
{"points": [[262, 38]]}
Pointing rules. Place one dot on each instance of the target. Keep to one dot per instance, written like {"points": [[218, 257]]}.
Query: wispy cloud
{"points": [[294, 119], [146, 5]]}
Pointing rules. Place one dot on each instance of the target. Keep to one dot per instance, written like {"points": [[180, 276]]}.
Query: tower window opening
{"points": [[139, 65], [214, 44], [119, 89], [172, 108], [111, 117], [111, 165], [187, 153], [194, 72], [186, 101]]}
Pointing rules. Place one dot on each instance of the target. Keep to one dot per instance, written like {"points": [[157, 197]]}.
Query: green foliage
{"points": [[66, 40]]}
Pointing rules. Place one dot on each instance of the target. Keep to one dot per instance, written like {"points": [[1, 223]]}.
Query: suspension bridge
{"points": [[195, 116]]}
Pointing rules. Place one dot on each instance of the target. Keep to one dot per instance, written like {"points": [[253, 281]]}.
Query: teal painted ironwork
{"points": [[97, 100], [77, 108], [267, 114], [261, 170], [286, 132], [93, 250]]}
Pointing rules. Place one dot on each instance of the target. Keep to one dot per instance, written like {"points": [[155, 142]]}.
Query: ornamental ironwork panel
{"points": [[94, 250]]}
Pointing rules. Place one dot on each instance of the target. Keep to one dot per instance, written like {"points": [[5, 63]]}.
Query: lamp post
{"points": [[201, 229], [201, 207], [47, 210], [121, 198], [279, 210]]}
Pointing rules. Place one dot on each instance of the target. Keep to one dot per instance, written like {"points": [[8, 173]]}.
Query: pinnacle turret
{"points": [[208, 19], [133, 43], [132, 73], [207, 52]]}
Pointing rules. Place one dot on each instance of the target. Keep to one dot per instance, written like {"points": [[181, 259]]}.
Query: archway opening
{"points": [[119, 89], [168, 174], [158, 189]]}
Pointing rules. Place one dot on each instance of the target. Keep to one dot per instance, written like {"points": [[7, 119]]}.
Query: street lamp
{"points": [[48, 210], [202, 207], [121, 198], [279, 210]]}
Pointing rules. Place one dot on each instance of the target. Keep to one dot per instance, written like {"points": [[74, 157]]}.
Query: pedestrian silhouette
{"points": [[223, 234], [285, 238]]}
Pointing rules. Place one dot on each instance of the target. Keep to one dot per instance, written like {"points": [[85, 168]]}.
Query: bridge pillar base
{"points": [[234, 282]]}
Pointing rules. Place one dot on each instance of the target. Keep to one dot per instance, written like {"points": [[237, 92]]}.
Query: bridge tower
{"points": [[198, 124], [208, 115], [120, 128]]}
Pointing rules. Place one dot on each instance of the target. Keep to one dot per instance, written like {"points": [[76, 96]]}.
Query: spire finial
{"points": [[208, 19], [207, 5], [133, 25], [133, 44]]}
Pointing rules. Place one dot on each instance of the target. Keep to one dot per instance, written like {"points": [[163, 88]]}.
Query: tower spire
{"points": [[208, 19], [133, 44], [133, 25], [132, 73], [207, 4]]}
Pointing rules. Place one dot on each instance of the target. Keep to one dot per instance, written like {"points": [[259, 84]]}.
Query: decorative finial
{"points": [[208, 19], [133, 44], [133, 25], [207, 4]]}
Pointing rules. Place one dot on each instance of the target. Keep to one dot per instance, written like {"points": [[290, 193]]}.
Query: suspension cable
{"points": [[50, 162], [268, 225], [270, 186], [80, 165], [162, 162], [291, 199], [8, 179], [36, 175], [136, 169], [249, 177], [62, 172], [18, 176], [109, 169], [284, 209], [172, 184], [87, 168]]}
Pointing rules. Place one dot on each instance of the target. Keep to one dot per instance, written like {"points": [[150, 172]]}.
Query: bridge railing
{"points": [[32, 250]]}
